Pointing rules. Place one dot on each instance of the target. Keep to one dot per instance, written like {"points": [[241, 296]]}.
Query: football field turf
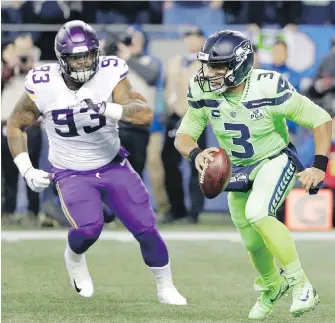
{"points": [[215, 276]]}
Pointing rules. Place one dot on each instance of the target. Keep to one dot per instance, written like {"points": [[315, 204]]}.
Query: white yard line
{"points": [[167, 235]]}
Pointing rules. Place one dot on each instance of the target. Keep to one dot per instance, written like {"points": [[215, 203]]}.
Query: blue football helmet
{"points": [[76, 40], [230, 49]]}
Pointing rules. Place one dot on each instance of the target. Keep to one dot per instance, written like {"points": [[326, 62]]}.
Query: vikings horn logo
{"points": [[242, 51]]}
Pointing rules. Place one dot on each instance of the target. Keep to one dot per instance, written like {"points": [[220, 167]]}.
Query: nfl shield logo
{"points": [[233, 114]]}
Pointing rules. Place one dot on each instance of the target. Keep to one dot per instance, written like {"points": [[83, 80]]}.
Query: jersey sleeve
{"points": [[113, 69], [195, 120], [30, 86], [303, 111], [35, 91], [124, 70], [296, 107], [287, 103]]}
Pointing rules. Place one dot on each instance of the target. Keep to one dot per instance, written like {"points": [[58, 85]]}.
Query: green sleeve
{"points": [[193, 123], [195, 119], [303, 111]]}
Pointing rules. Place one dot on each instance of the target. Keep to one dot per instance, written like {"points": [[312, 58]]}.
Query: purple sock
{"points": [[153, 248], [81, 239]]}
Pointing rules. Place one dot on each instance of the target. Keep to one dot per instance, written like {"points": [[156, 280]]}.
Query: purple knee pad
{"points": [[153, 248], [81, 239]]}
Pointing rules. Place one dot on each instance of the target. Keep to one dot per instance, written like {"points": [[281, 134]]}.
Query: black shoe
{"points": [[7, 219], [169, 217], [193, 217], [193, 220]]}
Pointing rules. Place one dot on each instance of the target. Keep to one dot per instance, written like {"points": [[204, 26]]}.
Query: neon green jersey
{"points": [[254, 128]]}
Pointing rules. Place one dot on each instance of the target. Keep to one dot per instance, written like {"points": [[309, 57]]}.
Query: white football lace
{"points": [[202, 176]]}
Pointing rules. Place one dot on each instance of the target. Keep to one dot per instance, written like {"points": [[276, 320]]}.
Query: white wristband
{"points": [[23, 163], [113, 111]]}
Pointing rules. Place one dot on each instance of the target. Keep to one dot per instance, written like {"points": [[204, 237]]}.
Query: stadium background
{"points": [[210, 266], [307, 44]]}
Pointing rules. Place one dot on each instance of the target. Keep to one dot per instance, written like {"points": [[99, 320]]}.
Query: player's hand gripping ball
{"points": [[214, 168]]}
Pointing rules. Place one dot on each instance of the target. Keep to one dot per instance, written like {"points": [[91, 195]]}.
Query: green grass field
{"points": [[215, 276]]}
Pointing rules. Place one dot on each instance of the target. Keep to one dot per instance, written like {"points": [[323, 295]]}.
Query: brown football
{"points": [[216, 176]]}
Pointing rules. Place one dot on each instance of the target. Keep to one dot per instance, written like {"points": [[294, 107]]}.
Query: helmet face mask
{"points": [[211, 77], [80, 67], [77, 51], [231, 55]]}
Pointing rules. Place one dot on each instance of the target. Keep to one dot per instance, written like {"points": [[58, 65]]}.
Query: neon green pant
{"points": [[272, 183]]}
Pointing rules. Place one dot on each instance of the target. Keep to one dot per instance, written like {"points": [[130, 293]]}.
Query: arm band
{"points": [[320, 162], [23, 163], [113, 111], [193, 154]]}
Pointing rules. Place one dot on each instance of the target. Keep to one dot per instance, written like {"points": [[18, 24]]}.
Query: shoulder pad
{"points": [[271, 82], [38, 79], [265, 75], [118, 65]]}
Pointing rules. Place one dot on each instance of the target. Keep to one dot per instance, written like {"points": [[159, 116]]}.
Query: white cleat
{"points": [[80, 278], [305, 298], [170, 296], [266, 302]]}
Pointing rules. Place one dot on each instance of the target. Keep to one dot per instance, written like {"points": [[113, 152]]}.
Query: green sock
{"points": [[278, 239], [272, 281], [263, 261], [294, 272]]}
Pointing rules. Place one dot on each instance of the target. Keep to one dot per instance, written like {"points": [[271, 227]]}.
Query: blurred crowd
{"points": [[211, 12], [165, 87]]}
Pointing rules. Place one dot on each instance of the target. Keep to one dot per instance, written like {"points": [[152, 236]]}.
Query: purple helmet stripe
{"points": [[74, 34]]}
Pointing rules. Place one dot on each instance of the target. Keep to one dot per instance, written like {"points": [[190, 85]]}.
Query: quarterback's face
{"points": [[215, 73]]}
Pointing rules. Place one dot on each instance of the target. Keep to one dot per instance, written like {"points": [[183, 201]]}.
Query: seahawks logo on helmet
{"points": [[242, 51]]}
